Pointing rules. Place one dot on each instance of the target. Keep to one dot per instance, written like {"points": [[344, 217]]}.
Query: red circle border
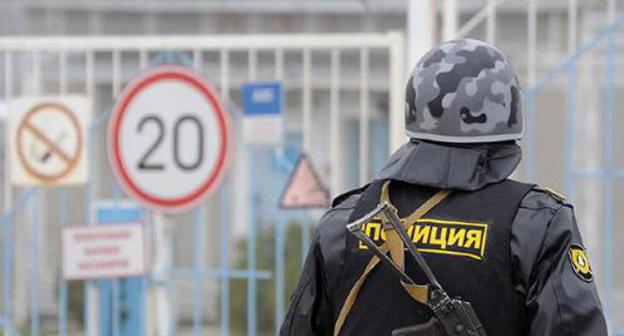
{"points": [[210, 184]]}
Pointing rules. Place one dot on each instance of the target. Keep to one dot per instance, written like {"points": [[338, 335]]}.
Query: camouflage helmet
{"points": [[463, 91]]}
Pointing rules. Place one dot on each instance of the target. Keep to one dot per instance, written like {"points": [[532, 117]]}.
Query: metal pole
{"points": [[251, 250], [307, 101], [63, 73], [7, 290], [571, 123], [116, 73], [279, 76], [609, 181], [571, 132], [280, 236], [35, 284], [572, 25], [36, 264], [420, 29], [451, 17], [364, 116], [491, 22], [225, 261], [63, 87], [91, 308], [531, 41], [225, 212], [116, 311], [397, 92], [63, 284], [476, 20], [162, 262], [199, 241], [334, 123], [252, 300], [253, 64], [611, 10], [143, 59], [530, 97], [198, 60], [280, 250]]}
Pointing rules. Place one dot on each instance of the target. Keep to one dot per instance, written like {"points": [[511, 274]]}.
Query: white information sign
{"points": [[48, 140], [168, 139], [103, 251]]}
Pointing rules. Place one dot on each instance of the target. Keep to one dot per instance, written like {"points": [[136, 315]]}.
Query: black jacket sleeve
{"points": [[311, 308], [559, 300], [302, 316]]}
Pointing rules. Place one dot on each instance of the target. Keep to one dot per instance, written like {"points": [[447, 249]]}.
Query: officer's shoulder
{"points": [[544, 198], [348, 199], [334, 221]]}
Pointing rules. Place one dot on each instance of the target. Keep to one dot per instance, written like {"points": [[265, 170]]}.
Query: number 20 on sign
{"points": [[168, 139]]}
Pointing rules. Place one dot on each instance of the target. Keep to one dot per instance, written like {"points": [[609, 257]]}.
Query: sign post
{"points": [[168, 139], [121, 303]]}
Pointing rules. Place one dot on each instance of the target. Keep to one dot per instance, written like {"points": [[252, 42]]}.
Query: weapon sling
{"points": [[395, 246]]}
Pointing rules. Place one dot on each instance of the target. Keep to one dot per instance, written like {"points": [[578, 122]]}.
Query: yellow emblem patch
{"points": [[456, 238], [580, 263]]}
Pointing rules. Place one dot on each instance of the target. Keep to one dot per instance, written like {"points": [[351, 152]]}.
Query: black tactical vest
{"points": [[466, 242]]}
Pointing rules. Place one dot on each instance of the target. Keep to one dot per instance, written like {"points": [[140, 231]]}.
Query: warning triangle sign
{"points": [[304, 188]]}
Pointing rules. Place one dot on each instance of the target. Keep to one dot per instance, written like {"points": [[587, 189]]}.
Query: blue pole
{"points": [[7, 267], [570, 132], [305, 237], [198, 251], [280, 251], [251, 249], [85, 308], [62, 283], [7, 281], [115, 306], [225, 261], [172, 296], [608, 126], [89, 196], [36, 238], [143, 305]]}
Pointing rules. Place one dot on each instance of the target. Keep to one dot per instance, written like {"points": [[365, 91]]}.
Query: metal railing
{"points": [[102, 61]]}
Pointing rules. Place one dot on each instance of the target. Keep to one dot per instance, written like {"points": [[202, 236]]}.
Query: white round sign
{"points": [[168, 139]]}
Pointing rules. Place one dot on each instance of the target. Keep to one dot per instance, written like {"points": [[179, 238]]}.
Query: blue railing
{"points": [[609, 174]]}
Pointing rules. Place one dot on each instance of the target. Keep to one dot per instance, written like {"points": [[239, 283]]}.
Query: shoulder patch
{"points": [[555, 194], [580, 263]]}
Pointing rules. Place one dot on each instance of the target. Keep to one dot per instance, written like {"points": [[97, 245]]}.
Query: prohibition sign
{"points": [[168, 139], [45, 155]]}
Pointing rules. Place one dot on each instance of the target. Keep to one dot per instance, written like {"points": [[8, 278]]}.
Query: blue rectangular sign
{"points": [[262, 98]]}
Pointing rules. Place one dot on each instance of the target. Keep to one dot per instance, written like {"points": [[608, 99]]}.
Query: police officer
{"points": [[511, 249]]}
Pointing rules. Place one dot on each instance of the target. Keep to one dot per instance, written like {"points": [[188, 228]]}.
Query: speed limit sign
{"points": [[168, 139]]}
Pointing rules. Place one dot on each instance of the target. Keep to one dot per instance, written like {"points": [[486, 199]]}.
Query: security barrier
{"points": [[205, 261], [590, 150]]}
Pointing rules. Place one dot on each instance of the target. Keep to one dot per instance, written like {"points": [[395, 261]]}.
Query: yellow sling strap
{"points": [[395, 245]]}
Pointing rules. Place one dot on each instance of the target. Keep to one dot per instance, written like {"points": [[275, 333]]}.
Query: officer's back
{"points": [[511, 249]]}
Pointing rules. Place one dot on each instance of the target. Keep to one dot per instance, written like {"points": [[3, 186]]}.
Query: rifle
{"points": [[452, 317]]}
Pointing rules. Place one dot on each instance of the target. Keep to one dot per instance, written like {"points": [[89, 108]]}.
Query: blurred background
{"points": [[229, 266]]}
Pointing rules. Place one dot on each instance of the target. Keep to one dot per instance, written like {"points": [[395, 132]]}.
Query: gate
{"points": [[228, 266], [582, 139]]}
